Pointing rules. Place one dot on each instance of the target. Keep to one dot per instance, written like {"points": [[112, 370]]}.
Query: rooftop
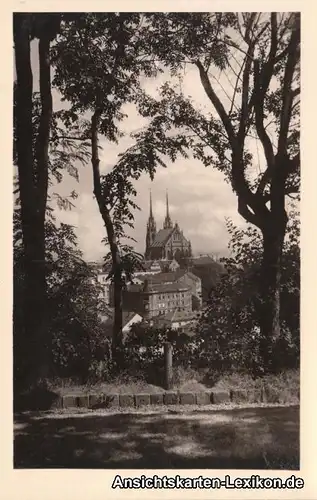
{"points": [[170, 277], [161, 237], [179, 316], [126, 317], [158, 287]]}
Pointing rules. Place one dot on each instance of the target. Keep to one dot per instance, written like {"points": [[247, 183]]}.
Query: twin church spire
{"points": [[168, 224], [168, 221], [166, 243], [151, 224]]}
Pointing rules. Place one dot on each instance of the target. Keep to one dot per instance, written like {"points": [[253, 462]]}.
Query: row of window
{"points": [[160, 313], [171, 295], [172, 303]]}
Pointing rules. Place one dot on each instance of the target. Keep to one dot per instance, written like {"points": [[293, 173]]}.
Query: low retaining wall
{"points": [[171, 398]]}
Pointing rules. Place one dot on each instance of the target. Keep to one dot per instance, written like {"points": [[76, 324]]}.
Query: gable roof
{"points": [[170, 287], [158, 278], [163, 263], [170, 277], [149, 264], [177, 315], [126, 317], [158, 287]]}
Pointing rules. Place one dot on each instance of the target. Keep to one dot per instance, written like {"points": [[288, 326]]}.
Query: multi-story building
{"points": [[179, 320], [149, 268], [152, 300], [181, 277], [157, 266]]}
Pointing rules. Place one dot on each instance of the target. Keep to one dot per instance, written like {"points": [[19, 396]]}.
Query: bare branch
{"points": [[262, 134], [287, 94], [266, 74], [245, 95], [236, 86], [249, 27], [68, 138], [269, 66], [217, 104], [227, 95]]}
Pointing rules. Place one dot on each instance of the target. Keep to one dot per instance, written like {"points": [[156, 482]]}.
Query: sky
{"points": [[199, 198]]}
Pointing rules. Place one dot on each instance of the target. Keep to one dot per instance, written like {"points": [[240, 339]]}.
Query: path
{"points": [[254, 437]]}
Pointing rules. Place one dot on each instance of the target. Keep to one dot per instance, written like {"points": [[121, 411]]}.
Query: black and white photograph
{"points": [[156, 240]]}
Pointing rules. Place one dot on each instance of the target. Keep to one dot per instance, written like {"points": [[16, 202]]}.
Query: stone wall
{"points": [[168, 398]]}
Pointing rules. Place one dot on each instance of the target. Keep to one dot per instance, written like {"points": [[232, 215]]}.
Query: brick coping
{"points": [[169, 398]]}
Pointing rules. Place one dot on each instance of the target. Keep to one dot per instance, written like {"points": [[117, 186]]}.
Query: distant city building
{"points": [[166, 243], [171, 284], [178, 320], [128, 320], [102, 278], [179, 276], [162, 295], [157, 266], [153, 300]]}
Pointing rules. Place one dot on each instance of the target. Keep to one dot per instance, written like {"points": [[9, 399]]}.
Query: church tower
{"points": [[150, 230], [168, 221]]}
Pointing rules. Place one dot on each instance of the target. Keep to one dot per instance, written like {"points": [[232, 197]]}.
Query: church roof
{"points": [[161, 237]]}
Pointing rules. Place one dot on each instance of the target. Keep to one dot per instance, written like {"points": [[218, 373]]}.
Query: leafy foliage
{"points": [[230, 324], [100, 61], [261, 53], [73, 303]]}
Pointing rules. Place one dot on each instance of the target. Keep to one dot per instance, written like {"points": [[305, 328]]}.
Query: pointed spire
{"points": [[167, 208], [151, 211], [151, 230], [168, 221]]}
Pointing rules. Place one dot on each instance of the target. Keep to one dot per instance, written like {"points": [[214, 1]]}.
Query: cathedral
{"points": [[167, 243]]}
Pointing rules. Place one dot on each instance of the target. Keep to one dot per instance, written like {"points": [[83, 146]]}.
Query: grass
{"points": [[283, 387]]}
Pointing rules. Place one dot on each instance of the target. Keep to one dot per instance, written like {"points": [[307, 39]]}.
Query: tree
{"points": [[73, 304], [99, 60], [262, 54], [61, 156], [32, 162], [229, 324]]}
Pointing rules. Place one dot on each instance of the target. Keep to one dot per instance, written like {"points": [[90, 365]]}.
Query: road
{"points": [[234, 438]]}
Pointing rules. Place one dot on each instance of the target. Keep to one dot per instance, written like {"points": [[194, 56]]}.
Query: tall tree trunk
{"points": [[42, 163], [24, 150], [273, 239], [117, 338], [118, 309], [33, 185]]}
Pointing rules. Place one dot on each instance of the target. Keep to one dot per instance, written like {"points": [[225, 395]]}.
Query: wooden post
{"points": [[168, 365]]}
